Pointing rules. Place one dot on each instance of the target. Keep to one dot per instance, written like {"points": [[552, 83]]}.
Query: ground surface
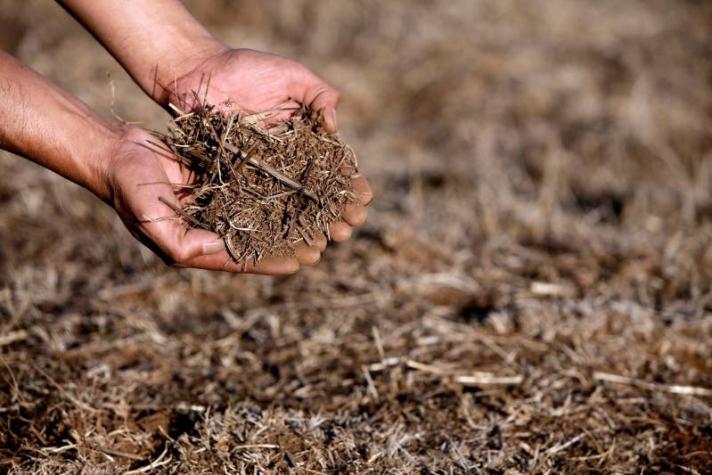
{"points": [[532, 292]]}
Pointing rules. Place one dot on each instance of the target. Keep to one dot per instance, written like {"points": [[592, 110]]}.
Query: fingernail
{"points": [[213, 247]]}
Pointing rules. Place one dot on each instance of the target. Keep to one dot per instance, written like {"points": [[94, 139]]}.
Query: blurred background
{"points": [[543, 213]]}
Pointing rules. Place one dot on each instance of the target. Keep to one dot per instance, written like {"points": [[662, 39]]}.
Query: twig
{"points": [[71, 398], [176, 109], [424, 367], [155, 464], [370, 385], [565, 445], [256, 446], [672, 389], [182, 213], [118, 453], [12, 337], [486, 379], [271, 171], [479, 379]]}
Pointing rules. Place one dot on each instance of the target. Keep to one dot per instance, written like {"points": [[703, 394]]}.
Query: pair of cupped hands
{"points": [[252, 82]]}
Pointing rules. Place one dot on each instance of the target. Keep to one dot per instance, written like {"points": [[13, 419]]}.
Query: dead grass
{"points": [[531, 294], [262, 188]]}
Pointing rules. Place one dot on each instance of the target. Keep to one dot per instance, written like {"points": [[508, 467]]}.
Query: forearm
{"points": [[155, 41], [45, 124]]}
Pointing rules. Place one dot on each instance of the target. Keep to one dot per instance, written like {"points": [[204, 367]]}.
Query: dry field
{"points": [[531, 294]]}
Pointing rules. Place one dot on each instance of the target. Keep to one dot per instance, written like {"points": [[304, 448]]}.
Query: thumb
{"points": [[321, 96], [175, 242]]}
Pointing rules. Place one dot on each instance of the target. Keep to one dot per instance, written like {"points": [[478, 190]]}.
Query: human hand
{"points": [[171, 55], [255, 82], [144, 184]]}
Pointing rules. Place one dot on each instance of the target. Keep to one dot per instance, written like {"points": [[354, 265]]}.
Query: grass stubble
{"points": [[526, 233], [262, 186]]}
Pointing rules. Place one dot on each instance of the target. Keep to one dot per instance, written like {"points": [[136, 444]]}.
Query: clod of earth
{"points": [[262, 189]]}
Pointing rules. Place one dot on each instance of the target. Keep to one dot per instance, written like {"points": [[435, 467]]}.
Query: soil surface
{"points": [[531, 294]]}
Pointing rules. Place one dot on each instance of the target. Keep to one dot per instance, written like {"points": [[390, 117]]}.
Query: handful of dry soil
{"points": [[262, 190]]}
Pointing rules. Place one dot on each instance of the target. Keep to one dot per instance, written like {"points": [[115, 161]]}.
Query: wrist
{"points": [[182, 61], [94, 154], [45, 124], [156, 42]]}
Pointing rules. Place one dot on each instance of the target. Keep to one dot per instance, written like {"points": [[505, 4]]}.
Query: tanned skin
{"points": [[169, 54]]}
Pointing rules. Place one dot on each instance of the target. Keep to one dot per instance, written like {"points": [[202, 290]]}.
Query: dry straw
{"points": [[262, 189]]}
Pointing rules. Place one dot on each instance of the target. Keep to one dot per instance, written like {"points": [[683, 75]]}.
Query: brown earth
{"points": [[531, 294]]}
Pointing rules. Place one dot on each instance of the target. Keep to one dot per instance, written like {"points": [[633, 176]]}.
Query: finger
{"points": [[274, 266], [206, 250], [307, 255], [317, 94], [222, 261], [177, 243], [359, 184], [340, 231], [362, 189], [354, 214], [319, 242], [151, 216], [214, 256]]}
